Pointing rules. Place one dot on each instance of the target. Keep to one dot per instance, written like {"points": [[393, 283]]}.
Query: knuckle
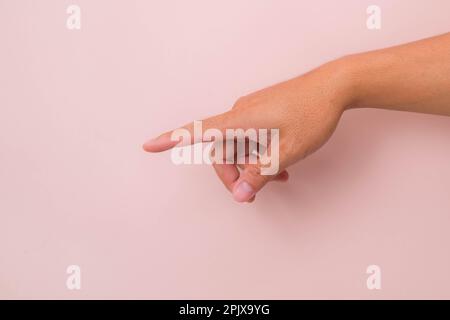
{"points": [[240, 102], [254, 171]]}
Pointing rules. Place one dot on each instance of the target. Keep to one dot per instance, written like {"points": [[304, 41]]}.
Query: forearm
{"points": [[412, 77]]}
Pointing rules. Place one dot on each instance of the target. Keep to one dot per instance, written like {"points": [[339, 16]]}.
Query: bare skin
{"points": [[413, 77]]}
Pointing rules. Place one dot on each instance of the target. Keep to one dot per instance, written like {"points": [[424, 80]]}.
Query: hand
{"points": [[412, 77], [306, 111]]}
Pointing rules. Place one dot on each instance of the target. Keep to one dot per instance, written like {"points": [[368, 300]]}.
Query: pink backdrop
{"points": [[76, 187]]}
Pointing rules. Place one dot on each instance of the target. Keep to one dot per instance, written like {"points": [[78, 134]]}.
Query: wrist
{"points": [[344, 77], [367, 78]]}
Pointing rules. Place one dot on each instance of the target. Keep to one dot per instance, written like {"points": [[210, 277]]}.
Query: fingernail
{"points": [[150, 143], [243, 191]]}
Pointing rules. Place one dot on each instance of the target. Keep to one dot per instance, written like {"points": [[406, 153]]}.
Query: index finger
{"points": [[166, 140]]}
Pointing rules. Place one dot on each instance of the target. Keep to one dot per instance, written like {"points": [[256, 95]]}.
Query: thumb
{"points": [[249, 183]]}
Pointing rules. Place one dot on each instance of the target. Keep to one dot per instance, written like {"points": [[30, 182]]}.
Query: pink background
{"points": [[76, 188]]}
